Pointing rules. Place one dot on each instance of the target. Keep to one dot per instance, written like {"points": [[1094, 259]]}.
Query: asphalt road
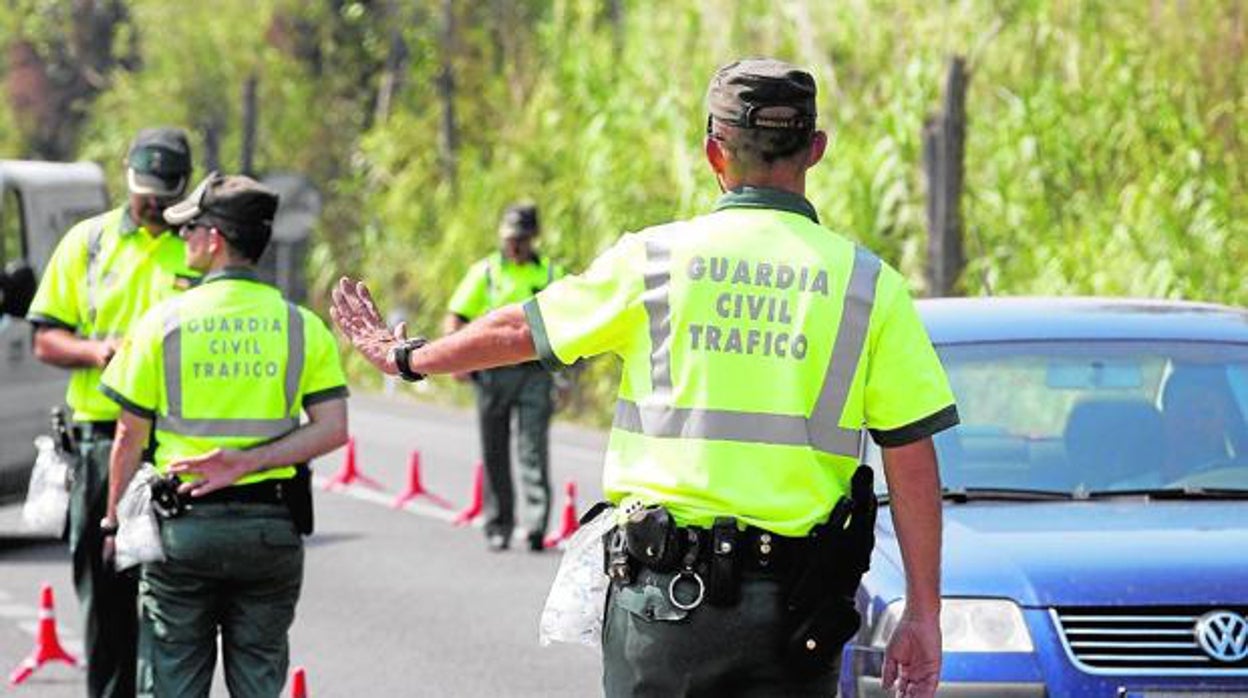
{"points": [[395, 602]]}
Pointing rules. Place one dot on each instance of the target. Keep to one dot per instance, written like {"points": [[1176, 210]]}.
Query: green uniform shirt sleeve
{"points": [[907, 393], [471, 298], [133, 378], [590, 313], [322, 378], [58, 301]]}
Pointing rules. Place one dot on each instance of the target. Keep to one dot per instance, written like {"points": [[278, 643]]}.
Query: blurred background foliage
{"points": [[1106, 147]]}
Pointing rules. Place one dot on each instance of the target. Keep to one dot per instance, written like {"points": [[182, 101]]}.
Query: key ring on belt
{"points": [[691, 557]]}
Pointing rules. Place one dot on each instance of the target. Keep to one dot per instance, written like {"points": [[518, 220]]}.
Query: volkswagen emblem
{"points": [[1223, 635]]}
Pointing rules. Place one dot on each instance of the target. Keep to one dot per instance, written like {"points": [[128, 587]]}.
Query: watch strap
{"points": [[402, 355]]}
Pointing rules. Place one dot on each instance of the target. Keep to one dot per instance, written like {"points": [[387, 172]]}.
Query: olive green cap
{"points": [[762, 93], [519, 221]]}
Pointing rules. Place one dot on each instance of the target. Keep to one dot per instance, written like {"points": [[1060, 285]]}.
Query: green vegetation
{"points": [[1105, 153]]}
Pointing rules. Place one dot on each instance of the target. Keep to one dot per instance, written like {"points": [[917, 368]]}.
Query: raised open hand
{"points": [[357, 317]]}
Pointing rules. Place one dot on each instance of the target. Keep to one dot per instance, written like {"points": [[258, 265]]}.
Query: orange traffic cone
{"points": [[350, 474], [473, 510], [569, 522], [415, 488], [47, 644], [299, 683]]}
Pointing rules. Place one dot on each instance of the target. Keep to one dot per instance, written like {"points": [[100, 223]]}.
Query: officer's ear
{"points": [[715, 155], [818, 145]]}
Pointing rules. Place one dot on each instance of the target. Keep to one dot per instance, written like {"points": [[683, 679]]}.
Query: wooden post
{"points": [[448, 138], [247, 158], [944, 144]]}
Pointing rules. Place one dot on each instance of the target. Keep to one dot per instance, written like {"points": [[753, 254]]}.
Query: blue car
{"points": [[1096, 504]]}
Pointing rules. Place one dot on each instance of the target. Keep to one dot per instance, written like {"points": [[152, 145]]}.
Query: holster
{"points": [[821, 616], [298, 499]]}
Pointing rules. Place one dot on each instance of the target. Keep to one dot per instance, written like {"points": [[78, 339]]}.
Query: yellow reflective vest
{"points": [[104, 275], [756, 347], [496, 281], [229, 364]]}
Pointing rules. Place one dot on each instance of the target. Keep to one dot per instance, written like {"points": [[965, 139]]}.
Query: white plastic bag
{"points": [[576, 603], [138, 531], [47, 499]]}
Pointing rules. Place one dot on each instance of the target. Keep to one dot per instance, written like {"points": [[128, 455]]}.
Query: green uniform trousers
{"points": [[652, 649], [233, 569], [107, 599], [526, 391]]}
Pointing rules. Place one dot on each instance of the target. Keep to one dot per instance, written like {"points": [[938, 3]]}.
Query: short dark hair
{"points": [[248, 243], [752, 148]]}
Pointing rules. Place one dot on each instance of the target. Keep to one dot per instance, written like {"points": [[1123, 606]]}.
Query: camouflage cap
{"points": [[242, 207], [762, 93], [158, 162], [519, 221]]}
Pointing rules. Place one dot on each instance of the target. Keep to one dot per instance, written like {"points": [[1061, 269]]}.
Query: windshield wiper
{"points": [[1173, 493], [962, 495]]}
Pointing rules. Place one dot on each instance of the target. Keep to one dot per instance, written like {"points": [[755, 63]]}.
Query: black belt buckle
{"points": [[166, 500]]}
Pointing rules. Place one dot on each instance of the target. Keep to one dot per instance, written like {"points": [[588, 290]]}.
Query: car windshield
{"points": [[1097, 417]]}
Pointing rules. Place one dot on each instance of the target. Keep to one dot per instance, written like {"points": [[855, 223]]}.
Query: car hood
{"points": [[1113, 552]]}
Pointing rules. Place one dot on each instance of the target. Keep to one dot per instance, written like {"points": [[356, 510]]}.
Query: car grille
{"points": [[1152, 639]]}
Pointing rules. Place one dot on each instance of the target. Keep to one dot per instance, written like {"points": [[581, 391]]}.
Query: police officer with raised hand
{"points": [[105, 273], [512, 275], [757, 347], [217, 379]]}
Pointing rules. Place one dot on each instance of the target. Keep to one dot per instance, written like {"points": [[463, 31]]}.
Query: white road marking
{"points": [[367, 494]]}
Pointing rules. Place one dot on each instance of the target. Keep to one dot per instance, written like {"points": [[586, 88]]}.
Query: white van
{"points": [[39, 201]]}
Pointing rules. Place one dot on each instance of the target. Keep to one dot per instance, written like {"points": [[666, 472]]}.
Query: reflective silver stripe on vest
{"points": [[820, 431], [658, 279], [95, 241], [825, 432], [176, 423]]}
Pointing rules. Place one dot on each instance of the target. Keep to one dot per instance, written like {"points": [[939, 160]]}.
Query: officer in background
{"points": [[218, 378], [105, 273], [757, 346], [512, 275]]}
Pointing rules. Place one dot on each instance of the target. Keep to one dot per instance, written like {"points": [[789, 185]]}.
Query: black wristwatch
{"points": [[402, 353], [107, 527]]}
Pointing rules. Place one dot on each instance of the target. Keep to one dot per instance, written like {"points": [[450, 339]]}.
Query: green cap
{"points": [[762, 93], [519, 221], [158, 162], [243, 207]]}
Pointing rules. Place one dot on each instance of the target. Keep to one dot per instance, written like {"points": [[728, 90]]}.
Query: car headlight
{"points": [[967, 625]]}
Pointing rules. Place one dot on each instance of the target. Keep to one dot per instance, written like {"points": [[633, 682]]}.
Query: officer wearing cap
{"points": [[105, 273], [758, 349], [512, 275], [217, 379]]}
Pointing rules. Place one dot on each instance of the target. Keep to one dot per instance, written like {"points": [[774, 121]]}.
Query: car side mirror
{"points": [[17, 289]]}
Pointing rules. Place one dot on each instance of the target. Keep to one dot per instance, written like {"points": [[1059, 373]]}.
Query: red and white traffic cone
{"points": [[569, 521], [299, 683], [47, 644], [415, 488], [350, 472], [473, 510]]}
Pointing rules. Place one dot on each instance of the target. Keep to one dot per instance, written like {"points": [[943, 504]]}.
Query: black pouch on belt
{"points": [[650, 535], [166, 500], [298, 496], [723, 581]]}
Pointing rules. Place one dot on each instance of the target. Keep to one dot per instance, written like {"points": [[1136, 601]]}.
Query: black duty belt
{"points": [[759, 550], [83, 430], [266, 492]]}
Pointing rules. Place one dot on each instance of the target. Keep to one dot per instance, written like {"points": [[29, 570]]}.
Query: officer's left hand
{"points": [[356, 315], [216, 469]]}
